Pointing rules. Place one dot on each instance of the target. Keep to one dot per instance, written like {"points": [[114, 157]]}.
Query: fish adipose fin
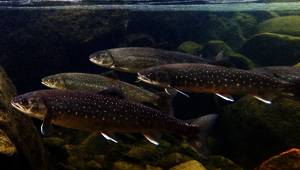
{"points": [[47, 128], [109, 136], [266, 98], [199, 141], [114, 92], [153, 137], [227, 97], [165, 101]]}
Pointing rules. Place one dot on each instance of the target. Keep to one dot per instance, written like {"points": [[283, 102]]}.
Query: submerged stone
{"points": [[193, 164], [172, 160], [268, 49], [137, 40], [219, 162], [190, 47], [288, 25], [287, 160], [121, 165]]}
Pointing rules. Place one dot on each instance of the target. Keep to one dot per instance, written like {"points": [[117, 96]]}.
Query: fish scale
{"points": [[107, 111], [223, 81]]}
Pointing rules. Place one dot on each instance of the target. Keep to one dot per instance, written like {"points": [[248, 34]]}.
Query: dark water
{"points": [[39, 42]]}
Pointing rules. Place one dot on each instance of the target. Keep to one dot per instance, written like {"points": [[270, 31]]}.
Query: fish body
{"points": [[107, 112], [223, 81], [134, 59], [95, 83], [286, 73]]}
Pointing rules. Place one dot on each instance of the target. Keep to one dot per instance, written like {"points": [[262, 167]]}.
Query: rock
{"points": [[247, 22], [54, 142], [286, 160], [103, 161], [120, 165], [264, 15], [288, 25], [214, 47], [148, 167], [241, 61], [93, 165], [193, 164], [23, 145], [219, 162], [214, 29], [250, 135], [171, 160], [190, 47], [137, 40], [234, 37], [269, 49]]}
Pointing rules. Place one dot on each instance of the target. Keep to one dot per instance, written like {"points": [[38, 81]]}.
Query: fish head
{"points": [[54, 81], [102, 58], [156, 76], [30, 104]]}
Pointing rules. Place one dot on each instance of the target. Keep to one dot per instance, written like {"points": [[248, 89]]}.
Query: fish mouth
{"points": [[16, 105], [144, 78]]}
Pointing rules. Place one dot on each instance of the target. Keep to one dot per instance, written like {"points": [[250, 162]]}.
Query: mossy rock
{"points": [[246, 21], [214, 29], [148, 167], [288, 25], [193, 164], [121, 165], [93, 165], [172, 160], [219, 162], [251, 131], [54, 142], [214, 47], [289, 160], [268, 49], [234, 37], [241, 61], [190, 47]]}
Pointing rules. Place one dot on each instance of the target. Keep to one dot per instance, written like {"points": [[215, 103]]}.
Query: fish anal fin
{"points": [[114, 92], [109, 136], [227, 97], [153, 137], [266, 98], [46, 127]]}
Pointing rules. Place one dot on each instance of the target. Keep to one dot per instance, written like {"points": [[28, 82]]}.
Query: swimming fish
{"points": [[222, 81], [134, 59], [107, 111], [95, 83], [286, 73]]}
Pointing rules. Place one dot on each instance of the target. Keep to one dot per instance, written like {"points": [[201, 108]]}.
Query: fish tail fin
{"points": [[198, 140], [165, 102]]}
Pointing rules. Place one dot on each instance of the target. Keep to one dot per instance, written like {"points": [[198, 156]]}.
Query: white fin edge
{"points": [[108, 138], [152, 141], [263, 100], [178, 92], [224, 97]]}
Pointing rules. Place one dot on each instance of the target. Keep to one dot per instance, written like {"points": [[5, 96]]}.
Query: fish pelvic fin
{"points": [[153, 137], [47, 128], [198, 141], [109, 136], [167, 91], [165, 101]]}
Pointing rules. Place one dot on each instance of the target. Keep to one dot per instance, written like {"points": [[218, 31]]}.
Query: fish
{"points": [[286, 73], [96, 82], [135, 59], [222, 81], [107, 112]]}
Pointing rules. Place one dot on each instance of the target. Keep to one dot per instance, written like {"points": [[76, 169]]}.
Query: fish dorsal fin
{"points": [[227, 97], [162, 46], [110, 74], [220, 61], [153, 137], [266, 98], [109, 136], [113, 92], [47, 128]]}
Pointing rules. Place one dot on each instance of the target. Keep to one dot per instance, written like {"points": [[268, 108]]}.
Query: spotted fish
{"points": [[134, 59], [107, 111], [95, 83], [223, 81], [286, 73]]}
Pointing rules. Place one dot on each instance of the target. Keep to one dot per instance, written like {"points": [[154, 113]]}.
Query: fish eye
{"points": [[50, 80], [151, 75], [24, 102]]}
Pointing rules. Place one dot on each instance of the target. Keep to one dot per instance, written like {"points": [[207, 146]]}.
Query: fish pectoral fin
{"points": [[109, 136], [113, 92], [266, 98], [227, 97], [153, 137], [177, 91], [47, 128]]}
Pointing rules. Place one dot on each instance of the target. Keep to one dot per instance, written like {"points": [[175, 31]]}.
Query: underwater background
{"points": [[41, 39]]}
